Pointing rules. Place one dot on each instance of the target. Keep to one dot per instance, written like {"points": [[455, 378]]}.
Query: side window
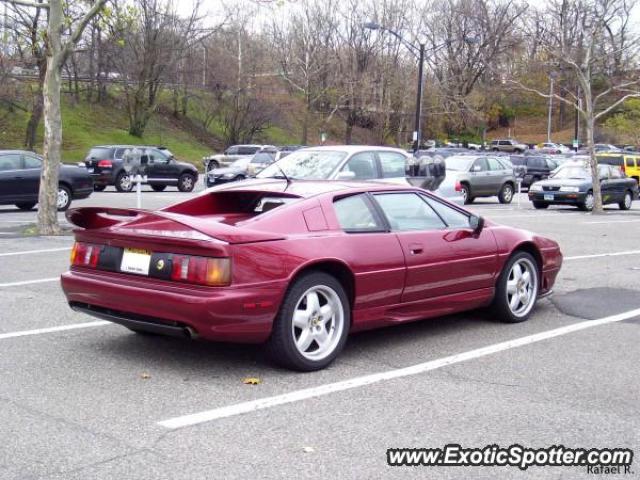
{"points": [[393, 164], [480, 165], [31, 162], [408, 211], [355, 215], [495, 142], [231, 151], [629, 162], [494, 164], [505, 142], [363, 165], [452, 217], [10, 162], [118, 154], [247, 150]]}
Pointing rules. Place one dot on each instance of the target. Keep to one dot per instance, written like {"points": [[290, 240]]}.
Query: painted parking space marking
{"points": [[598, 255], [611, 221], [29, 282], [357, 382], [62, 328], [30, 252]]}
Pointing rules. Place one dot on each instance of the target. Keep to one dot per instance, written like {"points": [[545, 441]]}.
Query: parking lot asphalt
{"points": [[81, 399]]}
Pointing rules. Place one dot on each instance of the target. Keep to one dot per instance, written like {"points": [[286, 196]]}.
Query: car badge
{"points": [[160, 264]]}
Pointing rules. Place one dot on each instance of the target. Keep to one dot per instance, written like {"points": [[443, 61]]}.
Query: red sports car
{"points": [[300, 264]]}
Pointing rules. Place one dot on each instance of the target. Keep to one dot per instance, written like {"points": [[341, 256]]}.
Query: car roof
{"points": [[4, 152], [307, 188], [354, 148]]}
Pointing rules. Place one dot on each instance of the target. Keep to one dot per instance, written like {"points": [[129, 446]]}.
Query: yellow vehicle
{"points": [[629, 163]]}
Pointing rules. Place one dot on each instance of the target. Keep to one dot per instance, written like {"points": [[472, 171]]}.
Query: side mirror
{"points": [[476, 223], [346, 175]]}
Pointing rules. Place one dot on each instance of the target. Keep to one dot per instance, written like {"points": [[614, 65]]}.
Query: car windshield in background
{"points": [[100, 153], [307, 165], [262, 158], [241, 163], [574, 172], [460, 164]]}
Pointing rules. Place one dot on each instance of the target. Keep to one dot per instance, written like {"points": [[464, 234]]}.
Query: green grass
{"points": [[85, 125]]}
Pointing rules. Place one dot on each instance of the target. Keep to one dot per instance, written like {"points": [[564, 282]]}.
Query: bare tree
{"points": [[590, 38]]}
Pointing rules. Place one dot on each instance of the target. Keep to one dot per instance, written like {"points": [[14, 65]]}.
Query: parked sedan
{"points": [[300, 265], [20, 181], [480, 176], [240, 169], [572, 184]]}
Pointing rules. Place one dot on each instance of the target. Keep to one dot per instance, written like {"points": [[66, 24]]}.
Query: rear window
{"points": [[99, 153], [630, 162], [247, 150]]}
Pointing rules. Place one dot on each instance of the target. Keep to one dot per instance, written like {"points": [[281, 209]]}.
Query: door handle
{"points": [[416, 248]]}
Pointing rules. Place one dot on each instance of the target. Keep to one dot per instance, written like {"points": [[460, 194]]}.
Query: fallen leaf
{"points": [[145, 375], [251, 381]]}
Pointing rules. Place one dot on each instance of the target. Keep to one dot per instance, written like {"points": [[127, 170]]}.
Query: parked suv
{"points": [[106, 166], [233, 153], [510, 145], [628, 163], [532, 168]]}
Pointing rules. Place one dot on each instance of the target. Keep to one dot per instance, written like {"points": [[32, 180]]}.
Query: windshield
{"points": [[305, 165], [241, 163], [460, 164], [575, 172]]}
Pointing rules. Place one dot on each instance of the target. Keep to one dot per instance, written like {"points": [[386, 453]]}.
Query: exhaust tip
{"points": [[191, 333]]}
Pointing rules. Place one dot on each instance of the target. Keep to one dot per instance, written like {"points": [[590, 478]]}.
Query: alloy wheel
{"points": [[522, 287], [63, 198]]}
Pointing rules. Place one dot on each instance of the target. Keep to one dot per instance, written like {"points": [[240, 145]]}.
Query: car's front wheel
{"points": [[626, 202], [313, 323], [517, 288], [186, 182], [506, 193], [587, 205]]}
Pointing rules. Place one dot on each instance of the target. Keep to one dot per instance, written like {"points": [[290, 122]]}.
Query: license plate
{"points": [[135, 260], [90, 170], [548, 196]]}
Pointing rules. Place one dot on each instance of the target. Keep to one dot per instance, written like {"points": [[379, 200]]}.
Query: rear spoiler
{"points": [[92, 218]]}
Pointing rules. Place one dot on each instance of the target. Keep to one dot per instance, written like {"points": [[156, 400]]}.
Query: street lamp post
{"points": [[418, 51]]}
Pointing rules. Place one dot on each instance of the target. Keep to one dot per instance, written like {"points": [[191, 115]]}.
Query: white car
{"points": [[549, 147]]}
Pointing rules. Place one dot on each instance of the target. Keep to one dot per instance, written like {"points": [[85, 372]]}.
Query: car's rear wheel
{"points": [[465, 191], [313, 323], [99, 188], [158, 188], [540, 205], [186, 182], [625, 204], [506, 193], [587, 205], [123, 182], [64, 198], [26, 205], [517, 288]]}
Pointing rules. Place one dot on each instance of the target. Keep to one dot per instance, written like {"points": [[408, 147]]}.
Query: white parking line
{"points": [[27, 252], [326, 389], [611, 221], [29, 282], [597, 255], [62, 328]]}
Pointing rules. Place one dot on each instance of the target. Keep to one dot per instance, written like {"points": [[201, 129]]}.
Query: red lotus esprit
{"points": [[300, 264]]}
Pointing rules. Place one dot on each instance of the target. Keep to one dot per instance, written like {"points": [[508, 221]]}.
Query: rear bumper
{"points": [[243, 315]]}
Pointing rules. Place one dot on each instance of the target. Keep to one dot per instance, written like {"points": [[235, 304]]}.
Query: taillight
{"points": [[458, 186], [202, 270], [85, 255], [105, 164], [624, 168]]}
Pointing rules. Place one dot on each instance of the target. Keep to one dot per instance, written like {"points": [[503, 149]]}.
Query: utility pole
{"points": [[418, 127], [576, 128], [550, 109]]}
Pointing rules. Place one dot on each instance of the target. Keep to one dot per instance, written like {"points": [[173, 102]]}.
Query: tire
{"points": [[299, 345], [466, 194], [495, 150], [123, 182], [186, 182], [64, 198], [517, 150], [516, 306], [158, 188], [506, 193], [26, 206], [587, 205], [626, 203], [238, 178], [99, 188], [540, 205], [213, 165]]}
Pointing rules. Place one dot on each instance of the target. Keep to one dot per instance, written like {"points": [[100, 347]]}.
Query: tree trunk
{"points": [[34, 121], [48, 195], [304, 137], [597, 194]]}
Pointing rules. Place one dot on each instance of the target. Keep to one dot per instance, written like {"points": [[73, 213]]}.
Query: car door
{"points": [[498, 174], [619, 183], [480, 177], [12, 187], [392, 165], [31, 169], [441, 259], [161, 168], [607, 185]]}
